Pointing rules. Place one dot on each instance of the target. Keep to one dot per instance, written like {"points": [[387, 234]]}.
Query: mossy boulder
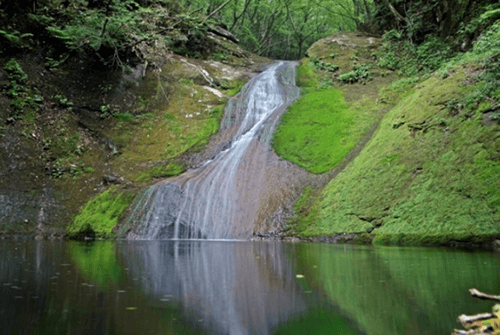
{"points": [[100, 216]]}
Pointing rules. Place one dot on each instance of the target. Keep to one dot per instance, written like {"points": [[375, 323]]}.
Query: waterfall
{"points": [[212, 201]]}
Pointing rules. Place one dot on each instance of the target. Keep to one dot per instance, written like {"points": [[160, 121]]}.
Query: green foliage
{"points": [[281, 29], [119, 32], [17, 90], [88, 169], [100, 215], [320, 65], [15, 72], [358, 74], [63, 101], [108, 111], [486, 52], [412, 59], [15, 37], [489, 14], [173, 168], [219, 56]]}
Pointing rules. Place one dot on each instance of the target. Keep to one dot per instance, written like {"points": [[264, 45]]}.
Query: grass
{"points": [[428, 176], [100, 215]]}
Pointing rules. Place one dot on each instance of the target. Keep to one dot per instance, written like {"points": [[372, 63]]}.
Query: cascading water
{"points": [[214, 201]]}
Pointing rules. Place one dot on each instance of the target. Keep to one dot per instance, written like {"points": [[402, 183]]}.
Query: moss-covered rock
{"points": [[428, 176], [100, 216]]}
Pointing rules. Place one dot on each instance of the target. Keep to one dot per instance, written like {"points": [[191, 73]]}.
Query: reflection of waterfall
{"points": [[232, 287], [220, 199]]}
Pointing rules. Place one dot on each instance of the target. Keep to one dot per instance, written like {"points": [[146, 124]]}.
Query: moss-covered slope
{"points": [[430, 173], [425, 177]]}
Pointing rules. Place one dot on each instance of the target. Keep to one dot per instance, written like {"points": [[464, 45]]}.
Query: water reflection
{"points": [[230, 287], [390, 290], [237, 288]]}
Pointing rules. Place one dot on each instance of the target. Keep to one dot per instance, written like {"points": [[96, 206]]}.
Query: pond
{"points": [[234, 287]]}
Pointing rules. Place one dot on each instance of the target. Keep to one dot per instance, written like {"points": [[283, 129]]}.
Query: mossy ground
{"points": [[428, 176], [177, 112], [321, 128], [328, 121], [430, 173], [72, 124]]}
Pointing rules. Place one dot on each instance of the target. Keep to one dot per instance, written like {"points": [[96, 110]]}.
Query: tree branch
{"points": [[216, 10], [475, 293]]}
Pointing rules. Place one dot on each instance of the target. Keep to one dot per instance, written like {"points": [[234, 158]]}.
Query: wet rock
{"points": [[113, 179]]}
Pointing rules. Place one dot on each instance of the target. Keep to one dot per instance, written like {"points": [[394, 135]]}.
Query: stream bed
{"points": [[237, 287]]}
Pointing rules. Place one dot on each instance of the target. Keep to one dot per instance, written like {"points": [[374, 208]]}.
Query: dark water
{"points": [[207, 287]]}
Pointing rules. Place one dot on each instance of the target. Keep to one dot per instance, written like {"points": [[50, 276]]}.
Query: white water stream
{"points": [[203, 203]]}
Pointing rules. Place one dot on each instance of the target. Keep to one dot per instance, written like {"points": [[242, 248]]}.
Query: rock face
{"points": [[27, 202], [92, 128], [229, 196]]}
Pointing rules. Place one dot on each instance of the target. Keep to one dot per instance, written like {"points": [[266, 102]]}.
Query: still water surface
{"points": [[208, 287]]}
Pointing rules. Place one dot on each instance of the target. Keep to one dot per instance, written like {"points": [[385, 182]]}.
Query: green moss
{"points": [[171, 169], [173, 127], [429, 176], [235, 87], [305, 211], [307, 79], [100, 215], [320, 129]]}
